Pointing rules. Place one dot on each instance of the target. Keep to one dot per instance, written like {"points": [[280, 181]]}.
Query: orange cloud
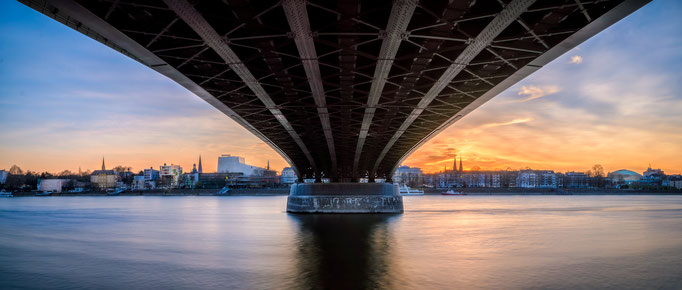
{"points": [[576, 59]]}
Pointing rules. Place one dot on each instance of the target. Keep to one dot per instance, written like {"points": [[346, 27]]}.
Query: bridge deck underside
{"points": [[347, 37]]}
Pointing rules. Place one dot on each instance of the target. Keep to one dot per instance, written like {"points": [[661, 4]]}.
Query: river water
{"points": [[440, 242]]}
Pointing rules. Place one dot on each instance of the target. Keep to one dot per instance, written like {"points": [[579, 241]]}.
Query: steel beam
{"points": [[583, 10], [193, 18], [589, 30], [401, 13], [297, 16], [508, 15]]}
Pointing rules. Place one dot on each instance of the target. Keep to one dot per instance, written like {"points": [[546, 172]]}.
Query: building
{"points": [[53, 185], [233, 164], [138, 183], [103, 178], [412, 176], [624, 177], [3, 176], [169, 175], [576, 180], [288, 176], [653, 175], [673, 181], [537, 179], [150, 174], [219, 180], [493, 179], [191, 179]]}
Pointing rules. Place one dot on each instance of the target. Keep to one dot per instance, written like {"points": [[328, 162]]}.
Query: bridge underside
{"points": [[342, 89]]}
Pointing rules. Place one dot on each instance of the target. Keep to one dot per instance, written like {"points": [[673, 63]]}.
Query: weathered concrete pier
{"points": [[345, 198]]}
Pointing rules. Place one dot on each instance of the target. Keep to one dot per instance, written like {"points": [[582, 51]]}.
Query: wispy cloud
{"points": [[532, 92], [512, 122]]}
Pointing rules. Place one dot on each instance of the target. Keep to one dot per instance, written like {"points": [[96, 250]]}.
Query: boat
{"points": [[404, 190], [44, 193], [452, 192], [225, 190], [4, 193], [117, 191]]}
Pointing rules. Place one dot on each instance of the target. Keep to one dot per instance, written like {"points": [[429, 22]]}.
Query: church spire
{"points": [[268, 164], [200, 169], [103, 168], [461, 169]]}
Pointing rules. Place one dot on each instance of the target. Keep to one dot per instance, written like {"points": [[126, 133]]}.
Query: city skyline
{"points": [[446, 167], [561, 118]]}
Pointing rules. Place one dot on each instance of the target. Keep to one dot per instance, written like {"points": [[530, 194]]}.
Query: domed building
{"points": [[624, 176]]}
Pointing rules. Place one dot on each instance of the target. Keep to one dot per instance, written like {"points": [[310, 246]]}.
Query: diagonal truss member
{"points": [[297, 16], [508, 15], [193, 18], [401, 13]]}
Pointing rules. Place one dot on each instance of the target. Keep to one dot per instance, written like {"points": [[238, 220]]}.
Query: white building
{"points": [[288, 175], [138, 182], [235, 164], [54, 185], [408, 175], [536, 179]]}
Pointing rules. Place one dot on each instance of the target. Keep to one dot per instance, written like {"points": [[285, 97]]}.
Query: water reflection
{"points": [[350, 251]]}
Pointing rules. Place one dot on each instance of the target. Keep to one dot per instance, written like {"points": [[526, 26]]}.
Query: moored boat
{"points": [[405, 190], [452, 192], [224, 191]]}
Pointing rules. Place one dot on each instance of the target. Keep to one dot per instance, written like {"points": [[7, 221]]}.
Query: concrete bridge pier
{"points": [[344, 198]]}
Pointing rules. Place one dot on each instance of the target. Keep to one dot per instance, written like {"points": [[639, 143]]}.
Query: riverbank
{"points": [[427, 191], [173, 192], [555, 191]]}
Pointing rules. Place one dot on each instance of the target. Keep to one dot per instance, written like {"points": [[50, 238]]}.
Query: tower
{"points": [[103, 168], [200, 170], [268, 164], [461, 169]]}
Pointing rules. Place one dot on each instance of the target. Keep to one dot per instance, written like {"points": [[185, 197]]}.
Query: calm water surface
{"points": [[440, 242]]}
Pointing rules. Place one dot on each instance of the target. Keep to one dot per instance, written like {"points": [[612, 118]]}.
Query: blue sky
{"points": [[67, 100]]}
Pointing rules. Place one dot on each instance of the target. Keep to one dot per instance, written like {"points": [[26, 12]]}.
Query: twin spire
{"points": [[454, 164]]}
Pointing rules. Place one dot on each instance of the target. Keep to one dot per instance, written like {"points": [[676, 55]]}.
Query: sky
{"points": [[67, 101]]}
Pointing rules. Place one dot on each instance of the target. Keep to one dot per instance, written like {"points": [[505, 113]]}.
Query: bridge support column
{"points": [[344, 198]]}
